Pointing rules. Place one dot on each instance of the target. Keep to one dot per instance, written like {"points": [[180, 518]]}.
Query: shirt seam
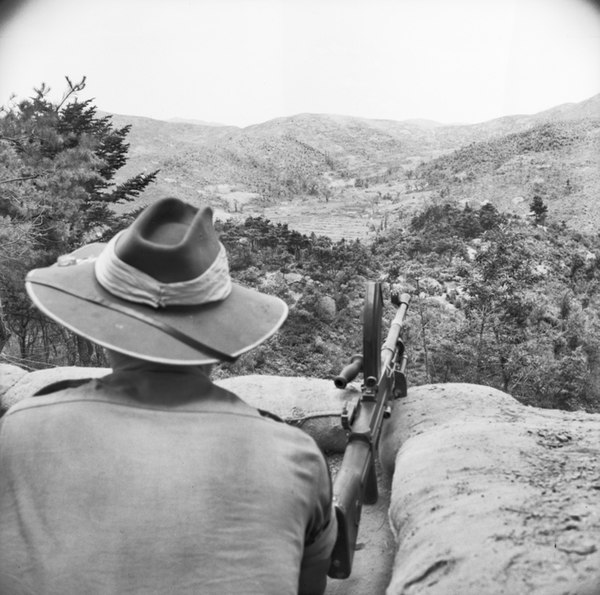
{"points": [[133, 406]]}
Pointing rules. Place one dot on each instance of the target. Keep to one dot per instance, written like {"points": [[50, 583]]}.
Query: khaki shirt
{"points": [[157, 483]]}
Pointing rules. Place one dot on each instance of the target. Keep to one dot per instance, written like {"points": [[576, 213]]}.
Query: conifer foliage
{"points": [[58, 162], [538, 210]]}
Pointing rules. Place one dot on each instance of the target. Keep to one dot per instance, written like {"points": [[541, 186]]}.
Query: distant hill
{"points": [[360, 175], [557, 160], [590, 108], [194, 121]]}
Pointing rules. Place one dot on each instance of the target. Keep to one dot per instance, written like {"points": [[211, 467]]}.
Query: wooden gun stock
{"points": [[355, 483]]}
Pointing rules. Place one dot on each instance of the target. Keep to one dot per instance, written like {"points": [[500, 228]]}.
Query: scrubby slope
{"points": [[559, 161], [307, 161]]}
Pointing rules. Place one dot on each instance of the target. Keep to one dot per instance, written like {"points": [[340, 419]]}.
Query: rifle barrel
{"points": [[389, 347]]}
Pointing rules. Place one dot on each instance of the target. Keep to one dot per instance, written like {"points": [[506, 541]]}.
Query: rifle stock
{"points": [[384, 372]]}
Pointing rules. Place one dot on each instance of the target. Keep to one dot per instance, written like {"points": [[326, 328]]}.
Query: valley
{"points": [[352, 178]]}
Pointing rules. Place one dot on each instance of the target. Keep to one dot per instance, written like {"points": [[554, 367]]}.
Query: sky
{"points": [[243, 62]]}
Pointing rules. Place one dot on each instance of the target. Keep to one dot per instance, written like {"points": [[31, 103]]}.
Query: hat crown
{"points": [[160, 291], [170, 241]]}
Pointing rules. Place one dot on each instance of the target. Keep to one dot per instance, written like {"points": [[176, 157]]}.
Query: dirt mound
{"points": [[490, 496]]}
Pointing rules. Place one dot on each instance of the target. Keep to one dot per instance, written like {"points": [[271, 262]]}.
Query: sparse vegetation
{"points": [[500, 308], [497, 300]]}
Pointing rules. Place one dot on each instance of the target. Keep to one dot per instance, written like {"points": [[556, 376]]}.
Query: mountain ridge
{"points": [[572, 110], [338, 168]]}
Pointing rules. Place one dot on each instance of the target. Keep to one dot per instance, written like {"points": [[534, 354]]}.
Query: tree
{"points": [[498, 308], [489, 217], [538, 210], [57, 191]]}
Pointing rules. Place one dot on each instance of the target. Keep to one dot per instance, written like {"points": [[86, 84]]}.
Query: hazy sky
{"points": [[246, 61]]}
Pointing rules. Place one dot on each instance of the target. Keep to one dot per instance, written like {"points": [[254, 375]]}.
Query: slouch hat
{"points": [[160, 290]]}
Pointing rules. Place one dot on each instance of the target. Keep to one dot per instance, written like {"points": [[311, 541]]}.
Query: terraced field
{"points": [[352, 214]]}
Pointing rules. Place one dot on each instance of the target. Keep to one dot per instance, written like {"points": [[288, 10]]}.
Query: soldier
{"points": [[152, 479]]}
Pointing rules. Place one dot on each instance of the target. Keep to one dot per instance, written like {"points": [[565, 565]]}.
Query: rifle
{"points": [[384, 379]]}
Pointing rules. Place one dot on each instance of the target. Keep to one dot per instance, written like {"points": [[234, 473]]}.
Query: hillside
{"points": [[558, 161], [496, 301], [499, 299], [352, 177]]}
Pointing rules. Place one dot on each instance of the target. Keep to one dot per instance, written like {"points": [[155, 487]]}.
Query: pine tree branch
{"points": [[73, 88], [16, 142], [20, 179]]}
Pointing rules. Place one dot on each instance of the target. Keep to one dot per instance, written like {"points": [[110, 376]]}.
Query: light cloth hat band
{"points": [[131, 284]]}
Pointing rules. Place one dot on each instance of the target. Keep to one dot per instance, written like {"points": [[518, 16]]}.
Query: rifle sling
{"points": [[158, 324]]}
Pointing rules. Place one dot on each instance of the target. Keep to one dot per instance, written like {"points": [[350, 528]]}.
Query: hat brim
{"points": [[179, 335]]}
